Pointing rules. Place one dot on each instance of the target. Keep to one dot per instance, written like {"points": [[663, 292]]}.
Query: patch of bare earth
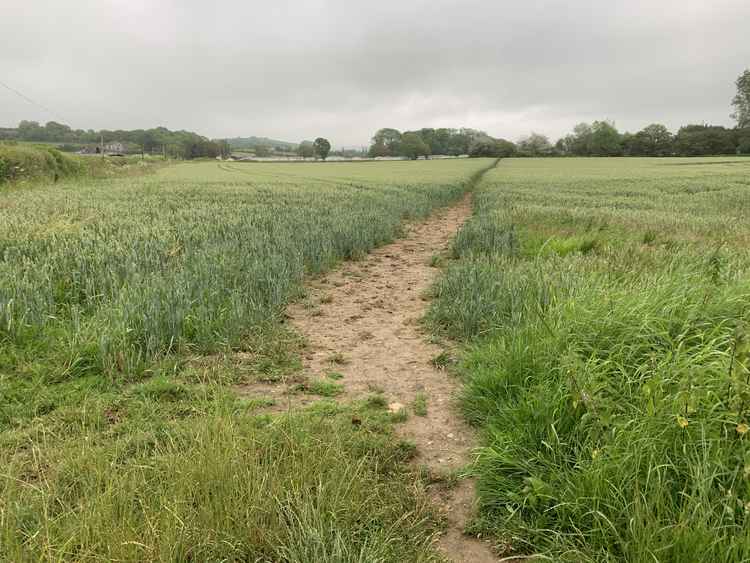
{"points": [[362, 321]]}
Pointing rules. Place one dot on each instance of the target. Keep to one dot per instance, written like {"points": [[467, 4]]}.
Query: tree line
{"points": [[159, 140], [600, 138], [426, 142], [319, 148]]}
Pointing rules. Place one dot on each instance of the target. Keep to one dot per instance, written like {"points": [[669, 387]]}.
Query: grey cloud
{"points": [[340, 68]]}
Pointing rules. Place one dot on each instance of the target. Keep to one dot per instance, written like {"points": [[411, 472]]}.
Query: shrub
{"points": [[31, 162]]}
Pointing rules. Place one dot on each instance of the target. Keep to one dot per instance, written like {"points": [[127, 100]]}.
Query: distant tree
{"points": [[386, 142], [55, 131], [704, 140], [460, 141], [534, 145], [429, 137], [580, 141], [262, 151], [743, 140], [31, 131], [224, 148], [564, 145], [440, 141], [600, 138], [505, 148], [605, 139], [306, 149], [741, 101], [653, 140], [322, 148], [412, 146], [489, 147]]}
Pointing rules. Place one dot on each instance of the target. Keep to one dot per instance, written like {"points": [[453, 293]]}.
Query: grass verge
{"points": [[607, 370]]}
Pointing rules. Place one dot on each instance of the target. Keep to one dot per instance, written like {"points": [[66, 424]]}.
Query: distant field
{"points": [[121, 305], [605, 307], [421, 171]]}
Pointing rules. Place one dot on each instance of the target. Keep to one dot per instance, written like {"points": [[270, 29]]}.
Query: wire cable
{"points": [[29, 100]]}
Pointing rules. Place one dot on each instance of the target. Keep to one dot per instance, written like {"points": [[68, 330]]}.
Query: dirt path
{"points": [[363, 322]]}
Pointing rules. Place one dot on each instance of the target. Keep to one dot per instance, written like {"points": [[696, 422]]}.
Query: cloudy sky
{"points": [[343, 68]]}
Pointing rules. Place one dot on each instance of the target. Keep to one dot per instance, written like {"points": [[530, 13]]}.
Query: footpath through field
{"points": [[367, 328]]}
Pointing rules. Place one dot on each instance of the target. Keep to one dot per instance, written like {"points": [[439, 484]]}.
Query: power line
{"points": [[25, 97]]}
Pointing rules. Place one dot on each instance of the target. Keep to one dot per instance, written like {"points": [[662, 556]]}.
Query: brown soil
{"points": [[362, 321]]}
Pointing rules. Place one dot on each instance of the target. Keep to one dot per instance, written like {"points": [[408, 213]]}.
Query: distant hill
{"points": [[252, 142]]}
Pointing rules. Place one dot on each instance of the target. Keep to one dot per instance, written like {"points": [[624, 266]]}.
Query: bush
{"points": [[32, 162]]}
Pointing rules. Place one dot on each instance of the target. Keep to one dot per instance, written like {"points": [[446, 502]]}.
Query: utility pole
{"points": [[101, 144]]}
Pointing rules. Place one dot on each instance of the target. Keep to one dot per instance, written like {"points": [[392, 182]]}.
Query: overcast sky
{"points": [[343, 68]]}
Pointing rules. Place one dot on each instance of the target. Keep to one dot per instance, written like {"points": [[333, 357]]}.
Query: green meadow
{"points": [[604, 308]]}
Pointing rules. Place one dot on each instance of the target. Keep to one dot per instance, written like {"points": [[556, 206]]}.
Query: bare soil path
{"points": [[362, 321]]}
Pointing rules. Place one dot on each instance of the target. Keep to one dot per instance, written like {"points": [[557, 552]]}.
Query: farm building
{"points": [[113, 148]]}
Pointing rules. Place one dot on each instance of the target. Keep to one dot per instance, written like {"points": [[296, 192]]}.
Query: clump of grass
{"points": [[321, 491], [338, 358], [401, 415], [435, 261], [649, 237], [442, 360], [335, 375], [376, 400], [325, 388], [485, 236], [419, 405]]}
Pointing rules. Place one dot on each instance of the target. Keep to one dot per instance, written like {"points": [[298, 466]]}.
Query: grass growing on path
{"points": [[605, 303]]}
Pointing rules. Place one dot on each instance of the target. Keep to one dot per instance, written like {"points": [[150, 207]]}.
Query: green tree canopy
{"points": [[322, 147], [534, 145], [306, 149], [386, 142], [605, 139], [413, 146], [653, 140], [741, 101]]}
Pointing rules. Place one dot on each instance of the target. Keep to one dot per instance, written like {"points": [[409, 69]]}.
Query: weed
{"points": [[435, 261], [419, 405], [334, 375], [325, 388], [442, 360], [338, 358], [376, 400], [401, 415]]}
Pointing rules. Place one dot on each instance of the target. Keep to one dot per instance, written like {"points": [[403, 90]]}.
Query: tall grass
{"points": [[122, 304], [610, 379], [112, 277], [224, 487]]}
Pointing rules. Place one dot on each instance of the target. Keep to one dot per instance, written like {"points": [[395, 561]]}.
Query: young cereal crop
{"points": [[605, 304], [121, 305]]}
